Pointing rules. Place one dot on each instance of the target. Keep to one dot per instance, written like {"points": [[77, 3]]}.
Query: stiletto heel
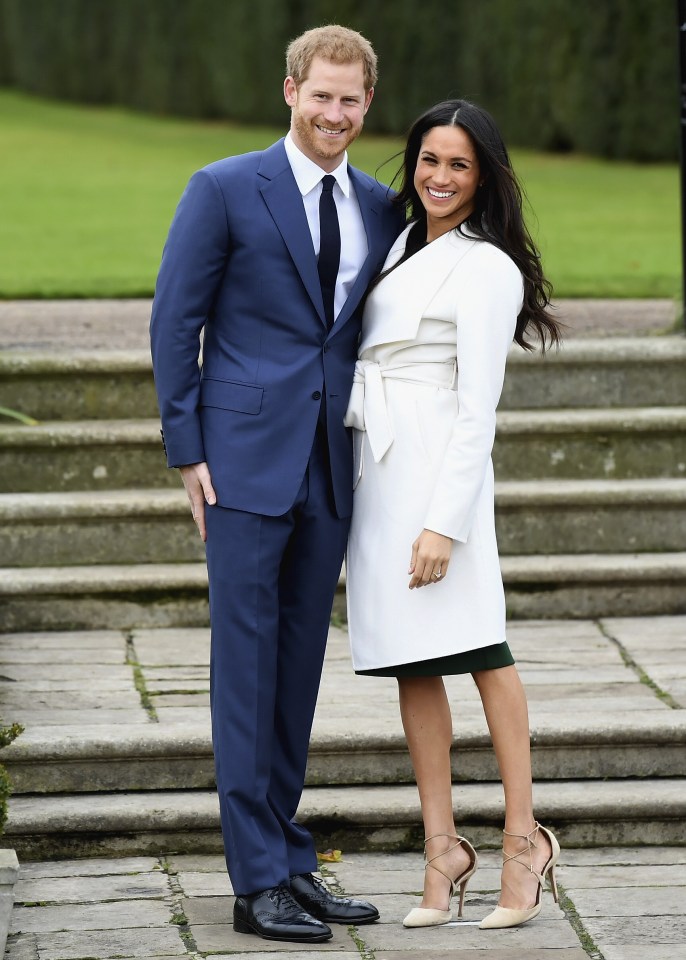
{"points": [[428, 917], [504, 916]]}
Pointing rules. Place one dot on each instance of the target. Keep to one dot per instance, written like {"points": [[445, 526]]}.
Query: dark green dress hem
{"points": [[471, 661]]}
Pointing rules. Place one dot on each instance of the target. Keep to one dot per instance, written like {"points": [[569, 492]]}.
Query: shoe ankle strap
{"points": [[449, 836], [530, 843], [449, 849], [526, 836]]}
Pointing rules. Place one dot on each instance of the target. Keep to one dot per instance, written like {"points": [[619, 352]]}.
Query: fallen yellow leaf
{"points": [[330, 856]]}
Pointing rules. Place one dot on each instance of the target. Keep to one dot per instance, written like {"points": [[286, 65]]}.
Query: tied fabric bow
{"points": [[367, 408]]}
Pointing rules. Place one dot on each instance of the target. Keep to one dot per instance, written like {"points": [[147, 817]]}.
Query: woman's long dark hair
{"points": [[497, 215]]}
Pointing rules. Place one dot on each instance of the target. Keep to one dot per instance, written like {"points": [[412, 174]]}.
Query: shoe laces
{"points": [[282, 897]]}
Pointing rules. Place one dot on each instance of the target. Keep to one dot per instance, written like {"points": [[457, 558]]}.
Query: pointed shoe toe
{"points": [[425, 917], [504, 917]]}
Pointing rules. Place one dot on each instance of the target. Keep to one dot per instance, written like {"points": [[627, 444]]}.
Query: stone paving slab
{"points": [[296, 952], [94, 912], [197, 700], [54, 701], [139, 942], [89, 867], [213, 938], [91, 889], [195, 863], [96, 916], [596, 877], [645, 931], [65, 684], [80, 717], [461, 936], [84, 639], [501, 953], [635, 902], [206, 884], [11, 655], [626, 856], [658, 951], [62, 671], [562, 664]]}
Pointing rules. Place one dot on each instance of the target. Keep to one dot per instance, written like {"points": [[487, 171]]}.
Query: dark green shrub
{"points": [[7, 735], [589, 76]]}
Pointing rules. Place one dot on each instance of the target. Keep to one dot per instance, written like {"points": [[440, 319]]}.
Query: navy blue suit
{"points": [[266, 413]]}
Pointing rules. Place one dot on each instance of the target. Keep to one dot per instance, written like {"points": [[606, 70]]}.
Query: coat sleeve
{"points": [[192, 267], [488, 299]]}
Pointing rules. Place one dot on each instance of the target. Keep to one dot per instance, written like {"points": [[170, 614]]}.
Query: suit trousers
{"points": [[272, 582]]}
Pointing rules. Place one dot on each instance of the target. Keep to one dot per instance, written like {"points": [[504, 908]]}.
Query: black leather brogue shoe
{"points": [[313, 895], [274, 914]]}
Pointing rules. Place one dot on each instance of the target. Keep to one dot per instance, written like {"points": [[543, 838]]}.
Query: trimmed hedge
{"points": [[597, 77]]}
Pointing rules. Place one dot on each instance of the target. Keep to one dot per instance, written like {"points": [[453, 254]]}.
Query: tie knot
{"points": [[327, 183]]}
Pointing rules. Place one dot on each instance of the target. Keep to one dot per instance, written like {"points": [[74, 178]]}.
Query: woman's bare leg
{"points": [[428, 728], [507, 715]]}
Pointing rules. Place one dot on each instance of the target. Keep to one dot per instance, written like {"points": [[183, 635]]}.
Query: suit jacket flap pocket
{"points": [[229, 395]]}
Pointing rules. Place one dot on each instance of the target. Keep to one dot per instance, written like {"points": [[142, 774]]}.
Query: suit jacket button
{"points": [[316, 395]]}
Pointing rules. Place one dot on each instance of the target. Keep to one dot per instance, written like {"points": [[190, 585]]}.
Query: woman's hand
{"points": [[430, 558]]}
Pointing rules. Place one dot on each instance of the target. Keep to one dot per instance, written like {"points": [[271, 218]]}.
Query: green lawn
{"points": [[86, 196]]}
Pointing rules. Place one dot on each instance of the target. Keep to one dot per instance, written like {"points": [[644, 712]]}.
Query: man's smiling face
{"points": [[327, 109]]}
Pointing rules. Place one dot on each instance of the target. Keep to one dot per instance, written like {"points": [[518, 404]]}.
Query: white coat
{"points": [[435, 337]]}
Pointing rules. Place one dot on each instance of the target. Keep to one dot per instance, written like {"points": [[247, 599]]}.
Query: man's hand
{"points": [[198, 483], [430, 558]]}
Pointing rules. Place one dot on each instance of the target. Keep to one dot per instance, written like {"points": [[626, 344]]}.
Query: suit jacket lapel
{"points": [[283, 199]]}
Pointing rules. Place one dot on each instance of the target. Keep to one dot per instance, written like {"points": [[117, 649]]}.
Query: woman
{"points": [[461, 282]]}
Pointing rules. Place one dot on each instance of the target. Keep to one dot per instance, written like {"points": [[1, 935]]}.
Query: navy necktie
{"points": [[329, 247]]}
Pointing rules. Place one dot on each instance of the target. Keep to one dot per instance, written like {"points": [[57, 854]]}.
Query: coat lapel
{"points": [[284, 201], [396, 306]]}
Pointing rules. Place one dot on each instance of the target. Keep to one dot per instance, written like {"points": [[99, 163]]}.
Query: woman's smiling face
{"points": [[446, 178]]}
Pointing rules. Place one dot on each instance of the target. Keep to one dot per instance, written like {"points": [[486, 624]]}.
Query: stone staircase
{"points": [[116, 757], [101, 566], [590, 459]]}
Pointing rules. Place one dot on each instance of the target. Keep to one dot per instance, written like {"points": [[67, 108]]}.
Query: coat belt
{"points": [[367, 408]]}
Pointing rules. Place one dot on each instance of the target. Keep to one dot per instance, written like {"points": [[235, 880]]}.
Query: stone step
{"points": [[612, 444], [117, 384], [583, 516], [159, 595], [107, 526], [532, 444], [615, 812], [137, 757], [83, 455], [611, 372], [79, 385], [154, 525]]}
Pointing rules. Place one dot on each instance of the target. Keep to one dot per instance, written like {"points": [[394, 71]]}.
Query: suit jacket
{"points": [[239, 262]]}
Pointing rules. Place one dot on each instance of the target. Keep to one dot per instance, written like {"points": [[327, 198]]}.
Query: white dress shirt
{"points": [[354, 248]]}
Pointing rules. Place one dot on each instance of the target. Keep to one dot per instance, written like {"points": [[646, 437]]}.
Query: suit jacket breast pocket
{"points": [[231, 395]]}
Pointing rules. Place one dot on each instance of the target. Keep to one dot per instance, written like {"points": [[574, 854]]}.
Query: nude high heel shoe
{"points": [[506, 917], [428, 917]]}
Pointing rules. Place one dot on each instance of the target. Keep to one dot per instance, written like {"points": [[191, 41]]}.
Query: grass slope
{"points": [[87, 194]]}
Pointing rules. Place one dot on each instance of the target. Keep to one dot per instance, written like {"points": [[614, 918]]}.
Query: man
{"points": [[272, 260]]}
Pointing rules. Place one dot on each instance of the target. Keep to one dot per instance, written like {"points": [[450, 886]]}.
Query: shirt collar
{"points": [[308, 174]]}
